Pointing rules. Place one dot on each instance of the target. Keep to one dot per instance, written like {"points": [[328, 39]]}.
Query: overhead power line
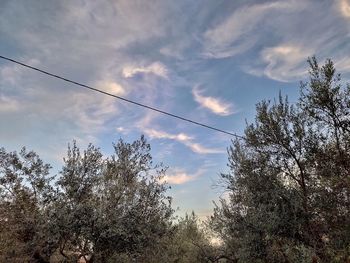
{"points": [[121, 98]]}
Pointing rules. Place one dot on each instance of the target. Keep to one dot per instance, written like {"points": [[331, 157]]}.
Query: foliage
{"points": [[289, 186], [187, 243], [25, 192], [102, 208], [114, 205]]}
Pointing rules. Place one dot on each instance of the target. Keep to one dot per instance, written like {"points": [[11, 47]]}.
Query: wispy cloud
{"points": [[111, 87], [282, 56], [53, 110], [91, 112], [155, 68], [234, 34], [8, 104], [198, 148], [344, 6], [215, 105], [261, 29], [283, 63], [121, 130], [179, 176], [182, 138]]}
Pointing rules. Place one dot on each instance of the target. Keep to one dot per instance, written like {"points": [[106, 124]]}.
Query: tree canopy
{"points": [[289, 185], [99, 207]]}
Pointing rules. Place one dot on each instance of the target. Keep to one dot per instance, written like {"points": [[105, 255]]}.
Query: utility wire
{"points": [[122, 98]]}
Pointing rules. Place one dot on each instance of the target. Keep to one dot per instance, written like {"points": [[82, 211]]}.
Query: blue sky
{"points": [[210, 61]]}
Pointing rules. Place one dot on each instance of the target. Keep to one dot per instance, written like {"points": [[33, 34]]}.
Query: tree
{"points": [[289, 185], [111, 209], [101, 209], [188, 241], [25, 192]]}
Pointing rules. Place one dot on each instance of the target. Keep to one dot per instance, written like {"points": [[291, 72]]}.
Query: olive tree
{"points": [[289, 185]]}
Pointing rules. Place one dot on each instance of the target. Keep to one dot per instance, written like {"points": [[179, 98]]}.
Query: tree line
{"points": [[288, 194]]}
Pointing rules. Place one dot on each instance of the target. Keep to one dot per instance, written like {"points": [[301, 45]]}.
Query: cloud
{"points": [[8, 104], [198, 148], [111, 87], [344, 6], [155, 68], [283, 63], [342, 64], [179, 176], [182, 138], [89, 24], [163, 135], [90, 112], [234, 35], [87, 42], [215, 105], [38, 107], [12, 74], [176, 48], [122, 130], [271, 32], [283, 47]]}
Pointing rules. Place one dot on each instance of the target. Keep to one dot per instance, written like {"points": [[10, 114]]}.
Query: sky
{"points": [[210, 61]]}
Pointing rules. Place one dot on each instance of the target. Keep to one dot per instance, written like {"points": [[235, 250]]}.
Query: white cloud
{"points": [[182, 138], [234, 35], [90, 111], [287, 35], [122, 130], [179, 176], [8, 104], [111, 87], [163, 135], [91, 24], [215, 105], [12, 73], [175, 50], [342, 64], [198, 148], [283, 63], [155, 68], [283, 56], [344, 6], [58, 112]]}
